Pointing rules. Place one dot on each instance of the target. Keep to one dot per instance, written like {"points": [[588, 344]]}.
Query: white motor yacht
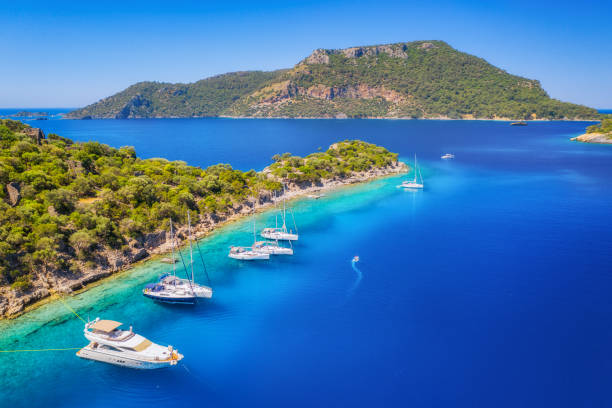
{"points": [[109, 344], [247, 254], [447, 156], [272, 248]]}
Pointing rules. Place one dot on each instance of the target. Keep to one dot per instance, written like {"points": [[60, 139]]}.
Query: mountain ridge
{"points": [[419, 79]]}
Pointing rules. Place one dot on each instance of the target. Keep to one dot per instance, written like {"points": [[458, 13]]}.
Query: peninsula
{"points": [[73, 213], [600, 133], [420, 79]]}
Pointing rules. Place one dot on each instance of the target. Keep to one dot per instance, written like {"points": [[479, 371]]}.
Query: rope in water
{"points": [[51, 349], [69, 308]]}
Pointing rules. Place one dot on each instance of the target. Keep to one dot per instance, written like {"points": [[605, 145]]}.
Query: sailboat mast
{"points": [[189, 238], [284, 210], [172, 246]]}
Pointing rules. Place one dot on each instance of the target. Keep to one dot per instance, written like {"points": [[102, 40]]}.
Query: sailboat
{"points": [[272, 248], [281, 234], [248, 253], [414, 183], [172, 289]]}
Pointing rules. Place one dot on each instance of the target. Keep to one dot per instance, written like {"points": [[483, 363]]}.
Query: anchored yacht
{"points": [[251, 253], [414, 183], [447, 156], [272, 248], [172, 289], [247, 254], [109, 344], [281, 233]]}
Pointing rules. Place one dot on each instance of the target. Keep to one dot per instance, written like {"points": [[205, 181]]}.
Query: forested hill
{"points": [[208, 97], [421, 79]]}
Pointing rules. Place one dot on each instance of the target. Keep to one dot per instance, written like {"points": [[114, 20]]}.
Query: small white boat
{"points": [[272, 248], [247, 254], [111, 345], [447, 156], [414, 183], [356, 258]]}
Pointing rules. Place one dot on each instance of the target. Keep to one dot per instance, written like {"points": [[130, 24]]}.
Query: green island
{"points": [[420, 79], [72, 213], [599, 133]]}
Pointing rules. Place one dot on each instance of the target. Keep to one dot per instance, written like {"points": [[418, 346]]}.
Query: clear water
{"points": [[489, 288]]}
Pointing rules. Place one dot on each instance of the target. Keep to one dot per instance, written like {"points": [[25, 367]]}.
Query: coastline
{"points": [[343, 118], [16, 305], [599, 138]]}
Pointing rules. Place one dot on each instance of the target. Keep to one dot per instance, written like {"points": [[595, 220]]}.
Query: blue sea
{"points": [[489, 288]]}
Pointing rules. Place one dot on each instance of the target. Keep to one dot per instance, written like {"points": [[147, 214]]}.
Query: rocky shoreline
{"points": [[601, 138], [13, 303]]}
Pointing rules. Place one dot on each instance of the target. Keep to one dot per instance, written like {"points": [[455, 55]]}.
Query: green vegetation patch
{"points": [[65, 206]]}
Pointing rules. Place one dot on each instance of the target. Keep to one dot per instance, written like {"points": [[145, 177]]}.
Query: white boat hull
{"points": [[279, 236], [277, 251], [410, 184], [115, 358], [249, 256]]}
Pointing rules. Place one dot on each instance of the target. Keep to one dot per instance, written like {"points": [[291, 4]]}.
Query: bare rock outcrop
{"points": [[36, 134], [14, 193]]}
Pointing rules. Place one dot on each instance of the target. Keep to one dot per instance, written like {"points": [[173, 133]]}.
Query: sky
{"points": [[70, 54]]}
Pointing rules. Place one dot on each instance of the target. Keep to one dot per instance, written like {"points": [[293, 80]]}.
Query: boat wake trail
{"points": [[357, 280]]}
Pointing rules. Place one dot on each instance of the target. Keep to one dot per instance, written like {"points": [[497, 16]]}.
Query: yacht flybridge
{"points": [[414, 183], [281, 233], [109, 344], [172, 289]]}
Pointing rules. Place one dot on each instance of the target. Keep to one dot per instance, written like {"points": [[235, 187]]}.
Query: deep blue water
{"points": [[489, 288]]}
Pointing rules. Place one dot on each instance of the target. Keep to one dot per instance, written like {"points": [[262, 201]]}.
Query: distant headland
{"points": [[420, 79], [600, 133]]}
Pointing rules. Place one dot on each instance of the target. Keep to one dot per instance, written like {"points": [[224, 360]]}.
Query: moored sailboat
{"points": [[251, 253], [414, 183], [281, 233], [172, 289]]}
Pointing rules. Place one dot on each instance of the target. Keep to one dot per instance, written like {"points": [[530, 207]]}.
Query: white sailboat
{"points": [[109, 344], [248, 253], [414, 183], [281, 234], [172, 289], [272, 248]]}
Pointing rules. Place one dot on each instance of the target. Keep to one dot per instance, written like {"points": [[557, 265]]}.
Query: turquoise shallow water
{"points": [[489, 288]]}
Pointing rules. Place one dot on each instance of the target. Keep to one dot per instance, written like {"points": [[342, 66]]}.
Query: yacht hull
{"points": [[412, 185], [169, 299], [258, 257], [123, 361], [279, 236]]}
